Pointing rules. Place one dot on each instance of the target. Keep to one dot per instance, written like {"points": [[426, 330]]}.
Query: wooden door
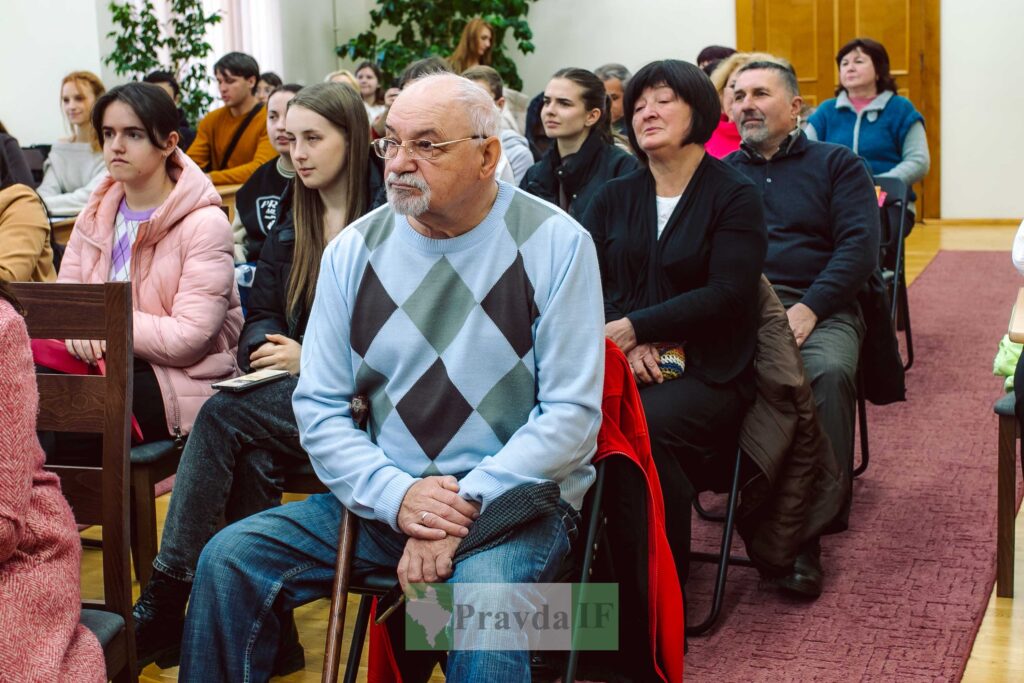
{"points": [[809, 33]]}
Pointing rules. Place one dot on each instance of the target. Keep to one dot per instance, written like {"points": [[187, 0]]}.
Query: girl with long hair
{"points": [[258, 201], [475, 47], [233, 462], [74, 166], [584, 156], [371, 89]]}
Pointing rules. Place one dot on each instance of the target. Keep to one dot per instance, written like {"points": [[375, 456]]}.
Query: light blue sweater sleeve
{"points": [[560, 435], [354, 468]]}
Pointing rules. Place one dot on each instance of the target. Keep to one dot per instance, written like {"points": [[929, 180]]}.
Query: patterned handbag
{"points": [[673, 360]]}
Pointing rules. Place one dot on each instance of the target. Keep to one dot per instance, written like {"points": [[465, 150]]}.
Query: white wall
{"points": [[31, 72], [981, 140], [982, 103], [588, 34], [307, 39]]}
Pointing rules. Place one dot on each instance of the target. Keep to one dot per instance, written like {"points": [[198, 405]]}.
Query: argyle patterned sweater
{"points": [[482, 356]]}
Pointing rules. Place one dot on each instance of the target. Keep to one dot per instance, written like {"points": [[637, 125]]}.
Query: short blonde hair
{"points": [[728, 66], [343, 76]]}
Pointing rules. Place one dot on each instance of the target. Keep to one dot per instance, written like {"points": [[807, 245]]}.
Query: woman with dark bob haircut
{"points": [[681, 243], [868, 116]]}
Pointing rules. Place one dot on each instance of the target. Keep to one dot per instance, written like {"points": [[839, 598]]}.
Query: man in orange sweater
{"points": [[227, 164]]}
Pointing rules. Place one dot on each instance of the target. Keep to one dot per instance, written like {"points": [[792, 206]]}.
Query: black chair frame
{"points": [[897, 200], [379, 583], [723, 558]]}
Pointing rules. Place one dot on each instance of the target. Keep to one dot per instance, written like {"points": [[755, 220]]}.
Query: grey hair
{"points": [[785, 71], [613, 70], [484, 117]]}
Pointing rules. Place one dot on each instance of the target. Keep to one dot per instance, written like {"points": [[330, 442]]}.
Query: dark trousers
{"points": [[86, 450], [830, 356], [232, 467], [694, 429]]}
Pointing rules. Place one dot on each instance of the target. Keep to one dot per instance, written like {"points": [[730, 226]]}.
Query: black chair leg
{"points": [[862, 421], [355, 650], [723, 558], [594, 525], [906, 319]]}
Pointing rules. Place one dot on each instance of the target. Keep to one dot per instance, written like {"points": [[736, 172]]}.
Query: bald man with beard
{"points": [[470, 314]]}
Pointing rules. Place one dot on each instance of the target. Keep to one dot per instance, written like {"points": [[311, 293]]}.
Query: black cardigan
{"points": [[582, 174], [258, 204], [698, 283], [268, 298]]}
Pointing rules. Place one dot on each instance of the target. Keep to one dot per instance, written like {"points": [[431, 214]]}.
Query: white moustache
{"points": [[407, 179]]}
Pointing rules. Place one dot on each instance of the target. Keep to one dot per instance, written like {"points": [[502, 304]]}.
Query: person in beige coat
{"points": [[25, 252]]}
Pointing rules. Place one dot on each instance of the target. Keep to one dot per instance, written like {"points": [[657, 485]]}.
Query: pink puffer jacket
{"points": [[187, 313]]}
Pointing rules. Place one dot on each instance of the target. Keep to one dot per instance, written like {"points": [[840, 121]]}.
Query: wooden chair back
{"points": [[92, 404]]}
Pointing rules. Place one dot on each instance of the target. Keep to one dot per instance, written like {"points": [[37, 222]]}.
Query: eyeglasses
{"points": [[386, 148]]}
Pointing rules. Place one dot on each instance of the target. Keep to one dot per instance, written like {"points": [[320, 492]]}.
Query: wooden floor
{"points": [[998, 653]]}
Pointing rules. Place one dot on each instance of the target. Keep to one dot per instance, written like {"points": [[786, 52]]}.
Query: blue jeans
{"points": [[261, 567]]}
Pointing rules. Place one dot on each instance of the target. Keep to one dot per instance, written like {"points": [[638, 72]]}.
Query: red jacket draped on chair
{"points": [[624, 435]]}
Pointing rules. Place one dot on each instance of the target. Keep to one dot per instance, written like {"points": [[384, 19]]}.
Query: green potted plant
{"points": [[139, 38], [425, 29]]}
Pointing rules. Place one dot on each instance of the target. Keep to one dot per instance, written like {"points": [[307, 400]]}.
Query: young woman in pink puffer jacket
{"points": [[156, 220]]}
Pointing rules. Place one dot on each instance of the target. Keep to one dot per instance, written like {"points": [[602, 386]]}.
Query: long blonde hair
{"points": [[343, 107], [83, 80], [460, 59]]}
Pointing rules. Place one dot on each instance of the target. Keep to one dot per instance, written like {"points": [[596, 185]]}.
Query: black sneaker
{"points": [[159, 616]]}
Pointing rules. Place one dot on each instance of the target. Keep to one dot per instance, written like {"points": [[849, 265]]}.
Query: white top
{"points": [[126, 229], [374, 110], [1018, 249], [71, 172], [666, 205]]}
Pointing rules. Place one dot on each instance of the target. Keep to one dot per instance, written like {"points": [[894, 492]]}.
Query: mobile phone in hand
{"points": [[253, 379]]}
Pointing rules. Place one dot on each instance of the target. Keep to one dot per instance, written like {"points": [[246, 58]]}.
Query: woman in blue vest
{"points": [[868, 116]]}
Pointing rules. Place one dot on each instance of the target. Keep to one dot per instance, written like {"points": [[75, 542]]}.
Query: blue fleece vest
{"points": [[881, 134]]}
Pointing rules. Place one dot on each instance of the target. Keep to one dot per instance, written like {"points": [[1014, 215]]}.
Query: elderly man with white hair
{"points": [[470, 315]]}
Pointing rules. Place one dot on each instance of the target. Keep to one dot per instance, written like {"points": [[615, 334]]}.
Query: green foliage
{"points": [[425, 29], [139, 38]]}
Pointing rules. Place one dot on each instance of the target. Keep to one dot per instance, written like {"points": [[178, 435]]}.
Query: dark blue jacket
{"points": [[579, 176], [822, 216]]}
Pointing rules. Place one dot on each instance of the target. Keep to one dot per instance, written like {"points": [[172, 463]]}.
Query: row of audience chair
{"points": [[120, 496]]}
